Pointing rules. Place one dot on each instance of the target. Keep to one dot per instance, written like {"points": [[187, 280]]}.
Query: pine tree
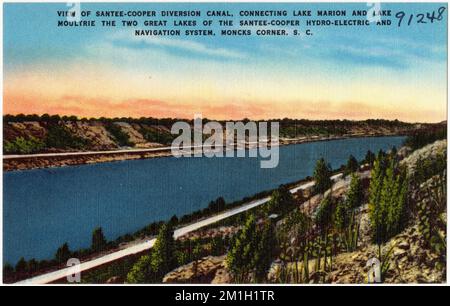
{"points": [[387, 199], [98, 240], [324, 215], [264, 253], [352, 165], [141, 272], [21, 266], [355, 194], [163, 253], [240, 258], [281, 201], [63, 253], [342, 215], [387, 202], [370, 158], [375, 188], [322, 176]]}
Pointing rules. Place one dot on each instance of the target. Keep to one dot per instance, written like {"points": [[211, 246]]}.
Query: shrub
{"points": [[23, 146], [122, 138], [58, 136]]}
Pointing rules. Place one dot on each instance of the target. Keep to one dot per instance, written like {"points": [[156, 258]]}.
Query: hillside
{"points": [[25, 134], [415, 253]]}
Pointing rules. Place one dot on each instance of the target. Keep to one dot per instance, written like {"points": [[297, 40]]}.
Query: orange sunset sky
{"points": [[392, 73]]}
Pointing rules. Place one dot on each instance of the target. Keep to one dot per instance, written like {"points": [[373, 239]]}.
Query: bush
{"points": [[60, 137], [423, 137], [158, 136], [119, 136], [281, 201], [20, 145]]}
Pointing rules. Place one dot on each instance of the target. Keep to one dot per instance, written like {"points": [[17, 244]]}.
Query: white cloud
{"points": [[180, 44]]}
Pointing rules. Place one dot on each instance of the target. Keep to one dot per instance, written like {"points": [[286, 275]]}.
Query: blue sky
{"points": [[351, 72]]}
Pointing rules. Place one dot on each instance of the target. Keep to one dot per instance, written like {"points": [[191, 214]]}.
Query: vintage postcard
{"points": [[224, 143]]}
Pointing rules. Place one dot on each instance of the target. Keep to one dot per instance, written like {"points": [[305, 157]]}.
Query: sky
{"points": [[342, 72]]}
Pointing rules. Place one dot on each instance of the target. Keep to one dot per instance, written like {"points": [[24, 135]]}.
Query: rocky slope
{"points": [[408, 255], [58, 134]]}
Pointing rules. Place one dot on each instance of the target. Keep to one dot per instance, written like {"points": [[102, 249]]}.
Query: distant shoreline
{"points": [[19, 162]]}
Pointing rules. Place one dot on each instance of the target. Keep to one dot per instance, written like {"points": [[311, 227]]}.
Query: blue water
{"points": [[44, 208]]}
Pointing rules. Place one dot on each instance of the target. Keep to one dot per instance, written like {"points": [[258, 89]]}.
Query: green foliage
{"points": [[163, 254], [385, 260], [63, 254], [240, 258], [8, 271], [99, 242], [322, 174], [421, 138], [20, 145], [21, 266], [352, 165], [157, 135], [370, 158], [215, 206], [294, 237], [355, 194], [347, 226], [342, 215], [431, 215], [141, 272], [218, 246], [58, 136], [163, 258], [387, 198], [281, 201], [324, 215], [265, 251], [426, 168], [251, 251], [122, 138]]}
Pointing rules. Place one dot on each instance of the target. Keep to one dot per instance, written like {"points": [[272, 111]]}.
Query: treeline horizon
{"points": [[170, 120]]}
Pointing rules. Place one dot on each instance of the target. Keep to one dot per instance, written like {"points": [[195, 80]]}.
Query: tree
{"points": [[342, 215], [375, 188], [355, 193], [265, 250], [163, 254], [394, 152], [21, 266], [32, 265], [352, 165], [387, 199], [163, 258], [63, 253], [98, 240], [322, 174], [240, 258], [8, 271], [324, 215], [370, 158], [281, 201], [141, 271], [174, 220], [217, 246]]}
